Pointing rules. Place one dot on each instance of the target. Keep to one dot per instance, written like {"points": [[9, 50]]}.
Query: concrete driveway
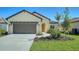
{"points": [[16, 42]]}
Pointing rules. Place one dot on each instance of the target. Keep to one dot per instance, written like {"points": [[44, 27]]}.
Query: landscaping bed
{"points": [[56, 45], [62, 37]]}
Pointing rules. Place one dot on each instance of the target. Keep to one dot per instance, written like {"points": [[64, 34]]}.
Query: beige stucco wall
{"points": [[47, 24], [10, 29], [39, 29], [24, 17], [44, 20]]}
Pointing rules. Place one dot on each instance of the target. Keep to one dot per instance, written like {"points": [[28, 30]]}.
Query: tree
{"points": [[58, 18], [66, 23]]}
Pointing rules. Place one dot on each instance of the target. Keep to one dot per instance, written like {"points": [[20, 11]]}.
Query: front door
{"points": [[43, 27]]}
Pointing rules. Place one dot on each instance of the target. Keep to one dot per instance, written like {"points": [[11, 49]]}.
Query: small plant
{"points": [[39, 33], [50, 30], [54, 33]]}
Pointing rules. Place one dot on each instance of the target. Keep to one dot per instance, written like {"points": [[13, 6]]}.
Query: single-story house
{"points": [[25, 22], [3, 24], [75, 25]]}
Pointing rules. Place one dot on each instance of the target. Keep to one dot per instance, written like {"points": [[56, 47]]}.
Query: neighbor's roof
{"points": [[41, 15], [73, 20], [20, 12], [53, 22], [2, 20]]}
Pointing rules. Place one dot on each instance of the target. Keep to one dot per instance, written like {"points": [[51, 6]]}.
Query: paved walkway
{"points": [[16, 42]]}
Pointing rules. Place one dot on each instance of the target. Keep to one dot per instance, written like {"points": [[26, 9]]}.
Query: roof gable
{"points": [[21, 12]]}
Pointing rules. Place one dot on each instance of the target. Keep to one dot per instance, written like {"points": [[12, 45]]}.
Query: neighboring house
{"points": [[55, 25], [75, 25], [3, 24], [25, 22]]}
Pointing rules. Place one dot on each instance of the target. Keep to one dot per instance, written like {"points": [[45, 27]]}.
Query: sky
{"points": [[49, 12]]}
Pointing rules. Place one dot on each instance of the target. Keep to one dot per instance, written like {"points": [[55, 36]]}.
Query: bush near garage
{"points": [[3, 32]]}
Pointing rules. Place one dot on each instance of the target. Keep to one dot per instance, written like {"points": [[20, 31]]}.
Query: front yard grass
{"points": [[56, 45]]}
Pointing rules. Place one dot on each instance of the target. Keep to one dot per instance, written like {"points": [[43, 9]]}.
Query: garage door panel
{"points": [[23, 28]]}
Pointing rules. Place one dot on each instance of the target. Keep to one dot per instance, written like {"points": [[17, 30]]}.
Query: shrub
{"points": [[43, 38], [65, 38], [50, 30], [5, 33], [2, 32], [54, 33]]}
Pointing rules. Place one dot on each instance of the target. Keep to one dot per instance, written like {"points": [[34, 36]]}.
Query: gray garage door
{"points": [[24, 28]]}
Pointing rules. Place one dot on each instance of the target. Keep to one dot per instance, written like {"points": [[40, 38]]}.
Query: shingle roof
{"points": [[42, 16], [20, 12], [75, 19], [54, 22]]}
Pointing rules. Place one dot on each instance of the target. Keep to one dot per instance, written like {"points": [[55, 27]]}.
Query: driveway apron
{"points": [[16, 42]]}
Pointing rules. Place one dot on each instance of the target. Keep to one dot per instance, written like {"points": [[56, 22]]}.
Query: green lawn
{"points": [[56, 45]]}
